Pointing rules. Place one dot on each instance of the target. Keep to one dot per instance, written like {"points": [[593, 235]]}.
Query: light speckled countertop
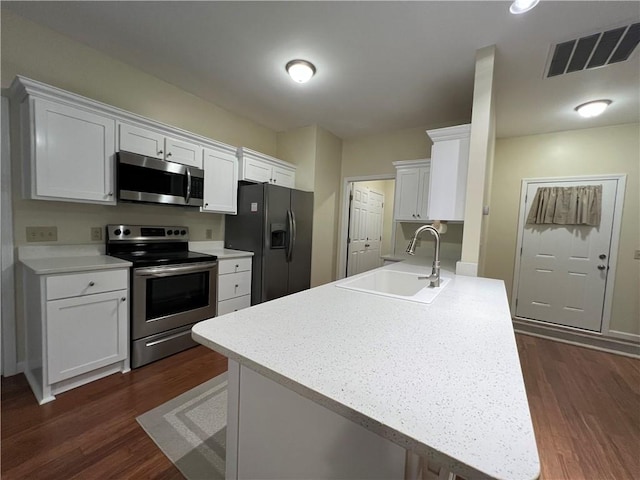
{"points": [[53, 265], [217, 249], [442, 379]]}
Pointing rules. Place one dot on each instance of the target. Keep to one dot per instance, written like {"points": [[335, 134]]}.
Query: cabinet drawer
{"points": [[76, 284], [234, 265], [234, 304], [234, 285]]}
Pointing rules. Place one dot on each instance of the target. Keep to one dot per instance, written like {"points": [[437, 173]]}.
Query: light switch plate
{"points": [[42, 234]]}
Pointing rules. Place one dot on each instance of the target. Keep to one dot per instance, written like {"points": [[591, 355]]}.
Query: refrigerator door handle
{"points": [[291, 227]]}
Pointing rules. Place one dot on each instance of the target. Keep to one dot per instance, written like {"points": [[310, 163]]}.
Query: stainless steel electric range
{"points": [[171, 288]]}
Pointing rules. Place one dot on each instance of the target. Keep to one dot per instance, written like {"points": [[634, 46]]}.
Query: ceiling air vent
{"points": [[595, 50]]}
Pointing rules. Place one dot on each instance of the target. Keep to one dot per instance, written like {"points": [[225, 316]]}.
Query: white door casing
{"points": [[564, 273]]}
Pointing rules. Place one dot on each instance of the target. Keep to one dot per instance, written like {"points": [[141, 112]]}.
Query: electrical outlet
{"points": [[208, 234], [96, 234], [636, 256], [42, 234]]}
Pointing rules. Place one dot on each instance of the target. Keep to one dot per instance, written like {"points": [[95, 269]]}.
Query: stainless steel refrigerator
{"points": [[275, 223]]}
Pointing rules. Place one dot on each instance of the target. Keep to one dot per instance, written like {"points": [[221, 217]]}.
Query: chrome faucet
{"points": [[434, 278]]}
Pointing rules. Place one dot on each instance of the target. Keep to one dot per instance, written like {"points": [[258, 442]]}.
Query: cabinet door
{"points": [[406, 197], [423, 194], [220, 182], [141, 141], [183, 152], [74, 154], [283, 177], [256, 171], [85, 333]]}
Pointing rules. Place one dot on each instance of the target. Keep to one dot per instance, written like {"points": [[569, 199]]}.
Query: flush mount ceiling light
{"points": [[593, 109], [300, 71], [521, 6]]}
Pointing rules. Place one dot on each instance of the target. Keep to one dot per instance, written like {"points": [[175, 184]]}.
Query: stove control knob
{"points": [[169, 232], [127, 231], [117, 231], [183, 232], [176, 232]]}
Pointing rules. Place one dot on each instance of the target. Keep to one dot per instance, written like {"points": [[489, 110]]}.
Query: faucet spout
{"points": [[434, 278]]}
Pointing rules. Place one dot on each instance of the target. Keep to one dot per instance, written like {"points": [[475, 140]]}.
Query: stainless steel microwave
{"points": [[150, 180]]}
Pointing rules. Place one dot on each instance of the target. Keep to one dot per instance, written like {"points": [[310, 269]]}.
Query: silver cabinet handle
{"points": [[206, 205], [601, 267], [602, 256], [168, 154], [91, 284], [366, 245], [110, 194], [418, 215], [123, 299], [413, 215], [160, 152]]}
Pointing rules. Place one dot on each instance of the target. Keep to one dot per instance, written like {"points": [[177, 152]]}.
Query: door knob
{"points": [[601, 267], [602, 256]]}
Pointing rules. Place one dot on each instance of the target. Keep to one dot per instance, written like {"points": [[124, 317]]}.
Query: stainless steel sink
{"points": [[395, 284]]}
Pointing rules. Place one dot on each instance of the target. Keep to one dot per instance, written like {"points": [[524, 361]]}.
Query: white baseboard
{"points": [[594, 341], [630, 337], [20, 367]]}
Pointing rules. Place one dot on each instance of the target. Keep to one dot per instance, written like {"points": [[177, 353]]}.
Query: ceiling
{"points": [[381, 66]]}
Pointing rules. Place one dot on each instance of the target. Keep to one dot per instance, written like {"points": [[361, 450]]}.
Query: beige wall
{"points": [[326, 207], [299, 147], [591, 151], [39, 53], [317, 154], [450, 241], [373, 155]]}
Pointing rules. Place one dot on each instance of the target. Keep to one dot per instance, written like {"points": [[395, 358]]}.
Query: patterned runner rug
{"points": [[191, 429]]}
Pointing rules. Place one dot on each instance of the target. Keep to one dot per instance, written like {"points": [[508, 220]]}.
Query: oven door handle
{"points": [[168, 271]]}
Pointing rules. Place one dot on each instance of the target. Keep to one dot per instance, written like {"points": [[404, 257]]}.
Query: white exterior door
{"points": [[564, 268], [365, 230]]}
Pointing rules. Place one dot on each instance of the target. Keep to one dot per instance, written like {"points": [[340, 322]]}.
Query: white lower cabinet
{"points": [[77, 329], [234, 284]]}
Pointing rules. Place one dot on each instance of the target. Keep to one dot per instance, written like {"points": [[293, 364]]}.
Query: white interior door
{"points": [[365, 229], [371, 257], [357, 229], [564, 268]]}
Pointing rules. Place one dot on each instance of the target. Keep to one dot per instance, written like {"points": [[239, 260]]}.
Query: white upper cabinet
{"points": [[220, 181], [260, 168], [412, 190], [449, 166], [153, 144], [68, 152]]}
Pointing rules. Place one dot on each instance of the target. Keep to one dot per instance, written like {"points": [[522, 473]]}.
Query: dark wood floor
{"points": [[585, 407]]}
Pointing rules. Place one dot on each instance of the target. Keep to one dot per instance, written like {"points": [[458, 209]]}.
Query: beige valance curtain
{"points": [[580, 205]]}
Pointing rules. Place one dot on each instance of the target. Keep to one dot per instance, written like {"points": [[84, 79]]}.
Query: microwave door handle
{"points": [[188, 195]]}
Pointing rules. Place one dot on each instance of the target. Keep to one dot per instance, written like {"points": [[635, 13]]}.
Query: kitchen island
{"points": [[337, 383]]}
